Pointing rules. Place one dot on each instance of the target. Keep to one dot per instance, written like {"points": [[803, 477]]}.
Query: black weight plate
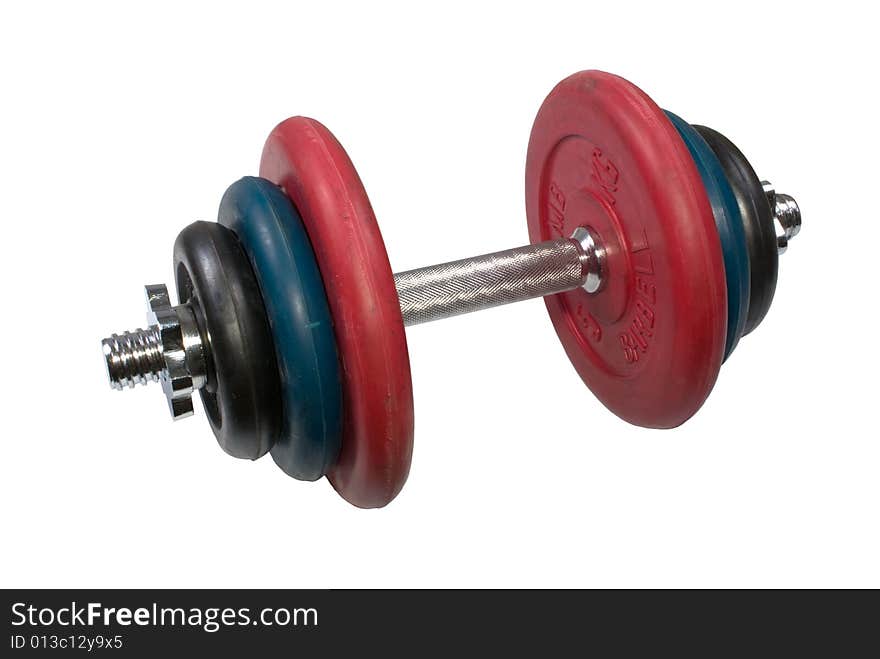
{"points": [[757, 219], [242, 397]]}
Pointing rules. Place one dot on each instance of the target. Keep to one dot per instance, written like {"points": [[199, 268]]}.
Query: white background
{"points": [[121, 126]]}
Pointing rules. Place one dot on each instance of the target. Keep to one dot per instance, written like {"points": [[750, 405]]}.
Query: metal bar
{"points": [[481, 282]]}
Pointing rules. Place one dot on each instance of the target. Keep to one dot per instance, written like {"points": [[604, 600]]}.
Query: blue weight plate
{"points": [[274, 239], [730, 229]]}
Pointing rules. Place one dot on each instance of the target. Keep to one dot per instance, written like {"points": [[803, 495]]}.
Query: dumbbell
{"points": [[653, 243]]}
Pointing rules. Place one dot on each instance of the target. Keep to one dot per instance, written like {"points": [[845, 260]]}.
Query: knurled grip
{"points": [[481, 282]]}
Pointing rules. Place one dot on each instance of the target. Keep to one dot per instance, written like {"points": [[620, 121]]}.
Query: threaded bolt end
{"points": [[133, 357], [788, 214]]}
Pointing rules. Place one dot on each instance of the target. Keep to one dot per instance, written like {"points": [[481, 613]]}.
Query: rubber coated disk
{"points": [[650, 342], [757, 221], [275, 241], [242, 394], [303, 157], [730, 229]]}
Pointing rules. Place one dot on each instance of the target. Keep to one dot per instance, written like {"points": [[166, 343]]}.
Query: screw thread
{"points": [[789, 214], [133, 357]]}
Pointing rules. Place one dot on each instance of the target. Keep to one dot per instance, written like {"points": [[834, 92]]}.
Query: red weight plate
{"points": [[304, 158], [649, 344]]}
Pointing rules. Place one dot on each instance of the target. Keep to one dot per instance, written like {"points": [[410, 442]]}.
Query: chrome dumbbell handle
{"points": [[490, 280]]}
